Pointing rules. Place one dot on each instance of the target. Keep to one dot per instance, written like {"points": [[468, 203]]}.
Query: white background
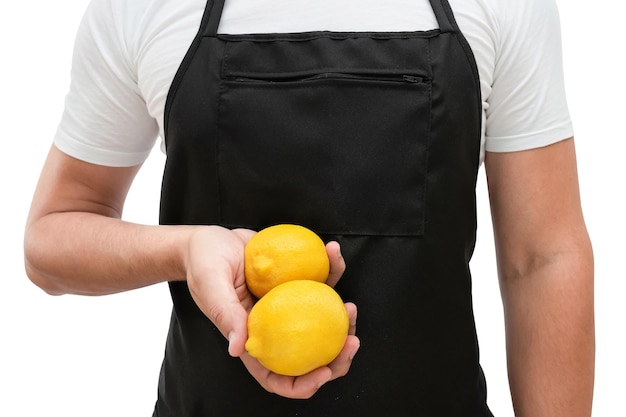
{"points": [[78, 356]]}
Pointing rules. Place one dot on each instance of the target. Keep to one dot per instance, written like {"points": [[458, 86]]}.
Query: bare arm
{"points": [[545, 265], [75, 242]]}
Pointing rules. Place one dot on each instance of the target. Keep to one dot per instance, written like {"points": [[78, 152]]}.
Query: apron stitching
{"points": [[218, 137], [425, 188]]}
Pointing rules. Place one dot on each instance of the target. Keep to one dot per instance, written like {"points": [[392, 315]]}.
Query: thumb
{"points": [[223, 307], [230, 317], [238, 334]]}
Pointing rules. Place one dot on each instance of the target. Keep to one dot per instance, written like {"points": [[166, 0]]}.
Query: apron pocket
{"points": [[340, 152]]}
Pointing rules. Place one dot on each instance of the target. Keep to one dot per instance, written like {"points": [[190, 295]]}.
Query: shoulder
{"points": [[136, 47], [504, 25], [125, 55], [133, 24], [517, 46]]}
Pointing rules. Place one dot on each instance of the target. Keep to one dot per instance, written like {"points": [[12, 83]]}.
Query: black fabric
{"points": [[371, 139]]}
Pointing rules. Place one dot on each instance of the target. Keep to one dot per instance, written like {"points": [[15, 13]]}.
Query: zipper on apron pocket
{"points": [[290, 78]]}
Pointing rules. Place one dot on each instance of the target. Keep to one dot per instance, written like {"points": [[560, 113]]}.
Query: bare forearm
{"points": [[550, 336], [91, 254]]}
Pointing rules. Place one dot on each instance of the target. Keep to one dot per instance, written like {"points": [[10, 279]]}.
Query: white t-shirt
{"points": [[127, 53]]}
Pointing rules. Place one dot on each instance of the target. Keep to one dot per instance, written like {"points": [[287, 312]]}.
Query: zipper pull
{"points": [[412, 78]]}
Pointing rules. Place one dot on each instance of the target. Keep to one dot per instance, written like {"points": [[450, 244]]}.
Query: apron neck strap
{"points": [[211, 17], [444, 15]]}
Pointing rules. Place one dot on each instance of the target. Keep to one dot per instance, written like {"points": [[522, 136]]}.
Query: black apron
{"points": [[370, 139]]}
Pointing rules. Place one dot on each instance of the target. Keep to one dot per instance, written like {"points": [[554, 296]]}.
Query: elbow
{"points": [[569, 266], [569, 252], [37, 274], [43, 281]]}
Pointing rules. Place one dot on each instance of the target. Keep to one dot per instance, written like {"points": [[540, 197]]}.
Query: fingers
{"points": [[337, 263], [299, 387], [352, 313], [340, 366]]}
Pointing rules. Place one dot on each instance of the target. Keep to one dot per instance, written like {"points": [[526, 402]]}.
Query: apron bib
{"points": [[370, 139]]}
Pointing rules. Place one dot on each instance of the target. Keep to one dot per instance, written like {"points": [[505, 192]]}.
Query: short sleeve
{"points": [[527, 106], [105, 120]]}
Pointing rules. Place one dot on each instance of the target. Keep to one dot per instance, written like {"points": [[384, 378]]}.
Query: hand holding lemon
{"points": [[299, 323], [214, 264]]}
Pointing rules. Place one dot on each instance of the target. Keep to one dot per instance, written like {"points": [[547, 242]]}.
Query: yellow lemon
{"points": [[283, 253], [297, 327]]}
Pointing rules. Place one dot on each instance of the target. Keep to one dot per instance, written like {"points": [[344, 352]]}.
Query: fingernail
{"points": [[231, 336]]}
